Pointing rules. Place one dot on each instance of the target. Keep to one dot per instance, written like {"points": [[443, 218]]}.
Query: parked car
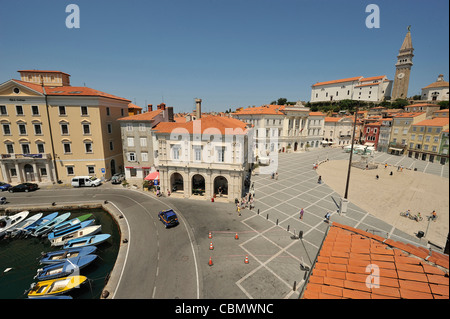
{"points": [[89, 181], [24, 187], [117, 178], [4, 186], [168, 218]]}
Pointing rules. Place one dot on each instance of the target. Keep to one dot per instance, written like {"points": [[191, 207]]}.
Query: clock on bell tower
{"points": [[403, 68]]}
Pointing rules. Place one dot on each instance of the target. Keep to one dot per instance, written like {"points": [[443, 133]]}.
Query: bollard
{"points": [[277, 221], [258, 211], [295, 286], [267, 217], [288, 227], [300, 234]]}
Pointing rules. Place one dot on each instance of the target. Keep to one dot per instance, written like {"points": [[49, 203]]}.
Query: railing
{"points": [[25, 156]]}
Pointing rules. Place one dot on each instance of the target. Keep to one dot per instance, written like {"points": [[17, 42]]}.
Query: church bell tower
{"points": [[403, 68]]}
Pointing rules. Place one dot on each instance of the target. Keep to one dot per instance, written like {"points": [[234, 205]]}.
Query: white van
{"points": [[80, 181]]}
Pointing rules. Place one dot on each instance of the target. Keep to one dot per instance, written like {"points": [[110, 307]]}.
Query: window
{"points": [[144, 157], [438, 130], [176, 152], [414, 129], [425, 147], [396, 131], [405, 131], [434, 148], [13, 172], [88, 147], [10, 148], [22, 129], [62, 110], [430, 129], [107, 111], [64, 129], [411, 145], [427, 138], [375, 130], [70, 170], [436, 139], [413, 137], [129, 127], [131, 157], [40, 148], [43, 171], [133, 172], [25, 148], [19, 110], [6, 129], [130, 141], [91, 169], [37, 129], [403, 142], [111, 145], [143, 141], [198, 153], [348, 92], [84, 111], [142, 127], [35, 110], [3, 110], [86, 129], [67, 148], [220, 154], [109, 128], [368, 130], [121, 112]]}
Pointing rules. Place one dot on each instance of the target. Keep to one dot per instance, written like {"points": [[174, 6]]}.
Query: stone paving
{"points": [[271, 243]]}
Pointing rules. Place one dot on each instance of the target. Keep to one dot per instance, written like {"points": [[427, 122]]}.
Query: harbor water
{"points": [[22, 255]]}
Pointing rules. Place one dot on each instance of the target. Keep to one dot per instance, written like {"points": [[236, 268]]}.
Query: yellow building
{"points": [[425, 138], [52, 131], [400, 129]]}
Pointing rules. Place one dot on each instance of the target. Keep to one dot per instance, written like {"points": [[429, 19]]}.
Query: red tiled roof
{"points": [[43, 71], [411, 114], [147, 116], [264, 109], [133, 106], [316, 114], [69, 91], [209, 125], [405, 271], [356, 78], [437, 121], [373, 78]]}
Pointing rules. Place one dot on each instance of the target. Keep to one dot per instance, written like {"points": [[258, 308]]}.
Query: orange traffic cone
{"points": [[210, 236], [211, 247], [236, 237], [246, 259], [210, 263]]}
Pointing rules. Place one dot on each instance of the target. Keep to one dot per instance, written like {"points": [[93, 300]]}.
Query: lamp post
{"points": [[344, 201]]}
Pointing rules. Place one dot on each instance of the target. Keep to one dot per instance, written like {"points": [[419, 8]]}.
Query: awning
{"points": [[396, 149], [152, 176], [369, 144]]}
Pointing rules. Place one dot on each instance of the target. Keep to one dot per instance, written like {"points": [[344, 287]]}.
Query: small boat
{"points": [[41, 222], [64, 269], [87, 241], [58, 256], [55, 287], [9, 221], [85, 231], [53, 297], [72, 222], [44, 229], [20, 227], [69, 230]]}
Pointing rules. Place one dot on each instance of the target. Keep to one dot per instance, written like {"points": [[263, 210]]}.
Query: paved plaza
{"points": [[268, 235]]}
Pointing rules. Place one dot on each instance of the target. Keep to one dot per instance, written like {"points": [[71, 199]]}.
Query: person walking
{"points": [[239, 210], [319, 180], [301, 213], [327, 217]]}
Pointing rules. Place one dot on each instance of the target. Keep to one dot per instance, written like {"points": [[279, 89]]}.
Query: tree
{"points": [[443, 105], [399, 103], [281, 101]]}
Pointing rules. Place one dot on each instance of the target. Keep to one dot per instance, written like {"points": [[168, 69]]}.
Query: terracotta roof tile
{"points": [[356, 78], [405, 270]]}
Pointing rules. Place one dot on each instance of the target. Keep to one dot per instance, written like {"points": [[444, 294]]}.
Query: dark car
{"points": [[168, 217], [4, 186], [24, 187]]}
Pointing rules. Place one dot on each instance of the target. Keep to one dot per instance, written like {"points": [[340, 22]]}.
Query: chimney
{"points": [[170, 114], [149, 107], [198, 108], [161, 106]]}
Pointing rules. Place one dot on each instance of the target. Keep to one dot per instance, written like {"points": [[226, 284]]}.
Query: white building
{"points": [[375, 89], [338, 131], [436, 91], [204, 157], [138, 141]]}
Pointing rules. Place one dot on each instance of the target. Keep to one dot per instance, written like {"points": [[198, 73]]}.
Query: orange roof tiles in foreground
{"points": [[398, 270], [147, 116], [437, 121], [264, 109], [356, 78], [205, 125]]}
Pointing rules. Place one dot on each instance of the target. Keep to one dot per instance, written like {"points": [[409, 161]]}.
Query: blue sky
{"points": [[230, 53]]}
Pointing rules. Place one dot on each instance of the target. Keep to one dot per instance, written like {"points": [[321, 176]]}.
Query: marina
{"points": [[22, 256]]}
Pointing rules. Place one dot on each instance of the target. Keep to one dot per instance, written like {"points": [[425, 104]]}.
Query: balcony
{"points": [[25, 157]]}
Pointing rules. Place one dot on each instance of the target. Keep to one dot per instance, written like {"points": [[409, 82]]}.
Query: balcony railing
{"points": [[25, 156]]}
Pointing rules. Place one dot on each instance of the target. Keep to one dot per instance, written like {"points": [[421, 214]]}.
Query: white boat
{"points": [[87, 231], [7, 222], [20, 227], [45, 228]]}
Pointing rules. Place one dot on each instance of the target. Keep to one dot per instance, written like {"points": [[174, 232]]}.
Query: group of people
{"points": [[247, 201]]}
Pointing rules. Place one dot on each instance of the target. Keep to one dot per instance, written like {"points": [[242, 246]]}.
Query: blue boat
{"points": [[54, 257], [64, 269], [87, 241], [70, 229], [72, 222], [41, 222], [44, 229]]}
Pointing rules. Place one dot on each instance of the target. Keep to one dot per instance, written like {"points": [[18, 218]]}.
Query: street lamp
{"points": [[344, 201]]}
